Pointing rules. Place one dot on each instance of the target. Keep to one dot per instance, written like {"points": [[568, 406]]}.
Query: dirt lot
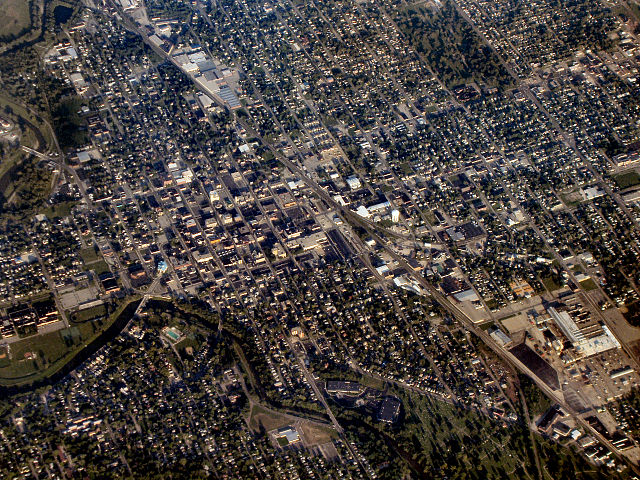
{"points": [[315, 434], [516, 323]]}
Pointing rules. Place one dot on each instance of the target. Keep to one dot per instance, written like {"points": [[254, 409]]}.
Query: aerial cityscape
{"points": [[337, 239]]}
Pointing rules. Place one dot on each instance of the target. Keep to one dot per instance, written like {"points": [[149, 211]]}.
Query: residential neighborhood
{"points": [[341, 239]]}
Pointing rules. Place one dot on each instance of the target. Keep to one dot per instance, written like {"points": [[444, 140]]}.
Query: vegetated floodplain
{"points": [[23, 187], [24, 180]]}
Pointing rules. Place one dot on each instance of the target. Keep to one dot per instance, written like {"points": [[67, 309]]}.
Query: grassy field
{"points": [[627, 179], [89, 314], [369, 381], [89, 255], [100, 267], [58, 210], [317, 435], [550, 283], [351, 375], [15, 17], [267, 419], [588, 284], [38, 135], [46, 349], [93, 260], [264, 418]]}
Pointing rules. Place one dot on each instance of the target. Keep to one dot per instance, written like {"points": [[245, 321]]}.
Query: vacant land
{"points": [[631, 313], [317, 435], [58, 210], [89, 255], [262, 418], [588, 284], [99, 267], [550, 283], [15, 18]]}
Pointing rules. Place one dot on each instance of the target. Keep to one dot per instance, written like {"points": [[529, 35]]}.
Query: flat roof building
{"points": [[499, 336], [287, 436], [584, 347], [567, 325], [389, 410], [339, 386]]}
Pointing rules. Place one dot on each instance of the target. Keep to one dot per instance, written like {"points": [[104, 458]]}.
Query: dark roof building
{"points": [[338, 386], [389, 410], [545, 422]]}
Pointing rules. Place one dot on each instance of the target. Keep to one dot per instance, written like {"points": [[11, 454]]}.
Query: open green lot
{"points": [[15, 18], [627, 179], [59, 210], [44, 350], [550, 283], [588, 284], [91, 313], [261, 417], [36, 134], [100, 267], [89, 255]]}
